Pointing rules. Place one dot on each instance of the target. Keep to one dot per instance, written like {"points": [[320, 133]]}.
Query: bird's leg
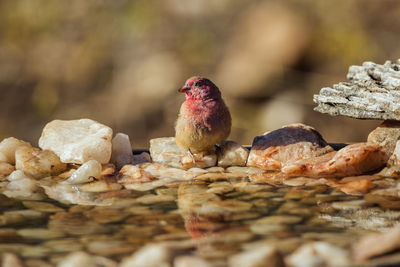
{"points": [[192, 156]]}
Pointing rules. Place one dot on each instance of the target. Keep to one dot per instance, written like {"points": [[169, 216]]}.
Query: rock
{"points": [[257, 257], [386, 135], [376, 244], [86, 173], [38, 163], [143, 157], [21, 186], [355, 159], [100, 186], [80, 258], [371, 93], [232, 154], [166, 151], [190, 261], [10, 260], [8, 147], [318, 254], [121, 150], [77, 141], [152, 255], [278, 148], [5, 169]]}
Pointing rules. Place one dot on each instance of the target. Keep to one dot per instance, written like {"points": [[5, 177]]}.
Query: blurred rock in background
{"points": [[121, 62]]}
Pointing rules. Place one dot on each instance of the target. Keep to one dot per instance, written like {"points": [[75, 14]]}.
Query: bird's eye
{"points": [[195, 83]]}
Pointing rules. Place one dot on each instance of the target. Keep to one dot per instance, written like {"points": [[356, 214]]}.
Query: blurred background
{"points": [[121, 62]]}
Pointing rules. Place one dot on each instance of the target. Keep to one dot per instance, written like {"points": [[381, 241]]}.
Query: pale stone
{"points": [[99, 186], [5, 169], [40, 233], [371, 93], [3, 157], [80, 258], [67, 193], [278, 148], [38, 163], [386, 135], [232, 154], [86, 172], [257, 257], [42, 206], [152, 255], [376, 244], [8, 147], [190, 261], [318, 254], [121, 150], [20, 217], [22, 186], [10, 260], [166, 151], [77, 141]]}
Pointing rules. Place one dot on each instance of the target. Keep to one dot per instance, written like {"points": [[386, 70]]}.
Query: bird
{"points": [[204, 120]]}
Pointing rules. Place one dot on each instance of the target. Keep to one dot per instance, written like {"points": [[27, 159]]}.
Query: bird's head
{"points": [[200, 88]]}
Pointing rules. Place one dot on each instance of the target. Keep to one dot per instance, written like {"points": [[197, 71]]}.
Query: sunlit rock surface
{"points": [[319, 254], [257, 257], [355, 159], [5, 169], [386, 135], [372, 92], [166, 151], [232, 154], [121, 150], [278, 148], [38, 163], [21, 186], [87, 172], [77, 141], [8, 146]]}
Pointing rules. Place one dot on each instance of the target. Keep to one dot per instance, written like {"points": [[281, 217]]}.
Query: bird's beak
{"points": [[184, 89]]}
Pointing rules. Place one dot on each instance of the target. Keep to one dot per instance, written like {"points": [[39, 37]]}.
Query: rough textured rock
{"points": [[5, 169], [373, 92], [278, 148], [38, 163], [232, 154], [393, 165], [386, 135], [166, 151], [8, 147], [121, 150], [77, 141]]}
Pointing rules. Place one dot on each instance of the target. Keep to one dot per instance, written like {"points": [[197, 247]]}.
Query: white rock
{"points": [[22, 186], [190, 261], [80, 258], [121, 150], [38, 163], [152, 255], [3, 157], [257, 257], [8, 147], [318, 254], [232, 154], [86, 172], [5, 169], [77, 141], [166, 151]]}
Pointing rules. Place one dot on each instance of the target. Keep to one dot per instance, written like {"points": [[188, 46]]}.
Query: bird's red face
{"points": [[200, 88]]}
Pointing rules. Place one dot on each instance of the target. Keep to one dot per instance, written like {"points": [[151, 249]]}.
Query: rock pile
{"points": [[372, 92]]}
